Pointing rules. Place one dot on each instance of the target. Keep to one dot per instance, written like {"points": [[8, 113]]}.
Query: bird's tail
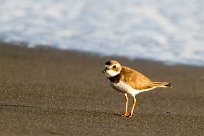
{"points": [[162, 84]]}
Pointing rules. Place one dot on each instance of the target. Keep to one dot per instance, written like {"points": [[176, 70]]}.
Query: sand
{"points": [[47, 92]]}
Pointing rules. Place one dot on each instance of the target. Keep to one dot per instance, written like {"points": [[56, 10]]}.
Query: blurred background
{"points": [[170, 31]]}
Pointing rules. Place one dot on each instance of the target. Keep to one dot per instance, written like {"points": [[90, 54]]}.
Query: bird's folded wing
{"points": [[135, 79]]}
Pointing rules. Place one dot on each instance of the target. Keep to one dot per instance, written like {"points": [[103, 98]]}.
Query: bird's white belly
{"points": [[125, 88]]}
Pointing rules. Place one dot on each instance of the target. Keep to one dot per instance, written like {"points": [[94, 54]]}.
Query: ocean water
{"points": [[170, 31]]}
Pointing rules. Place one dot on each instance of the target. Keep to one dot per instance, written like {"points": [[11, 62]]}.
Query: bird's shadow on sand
{"points": [[83, 112], [16, 106], [93, 112]]}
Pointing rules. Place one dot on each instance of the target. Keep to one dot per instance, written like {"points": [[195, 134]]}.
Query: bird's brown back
{"points": [[135, 79]]}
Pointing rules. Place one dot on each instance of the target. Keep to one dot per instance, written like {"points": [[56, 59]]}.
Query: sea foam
{"points": [[169, 30]]}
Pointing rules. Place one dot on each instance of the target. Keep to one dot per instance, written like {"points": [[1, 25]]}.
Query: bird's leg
{"points": [[126, 106], [133, 106]]}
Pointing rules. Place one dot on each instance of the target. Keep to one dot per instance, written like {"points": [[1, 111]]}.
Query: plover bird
{"points": [[129, 81]]}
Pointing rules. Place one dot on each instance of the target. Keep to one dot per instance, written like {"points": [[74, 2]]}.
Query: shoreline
{"points": [[49, 48], [51, 91]]}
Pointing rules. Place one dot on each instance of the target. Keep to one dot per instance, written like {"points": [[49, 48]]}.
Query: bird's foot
{"points": [[126, 114]]}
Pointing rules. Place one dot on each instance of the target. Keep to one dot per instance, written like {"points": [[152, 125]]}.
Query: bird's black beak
{"points": [[104, 71]]}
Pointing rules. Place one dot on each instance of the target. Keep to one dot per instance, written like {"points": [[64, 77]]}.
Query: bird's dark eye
{"points": [[114, 66]]}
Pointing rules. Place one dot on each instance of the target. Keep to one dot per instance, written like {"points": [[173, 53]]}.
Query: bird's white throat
{"points": [[112, 73]]}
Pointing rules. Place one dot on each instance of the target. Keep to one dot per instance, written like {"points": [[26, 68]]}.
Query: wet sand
{"points": [[47, 92]]}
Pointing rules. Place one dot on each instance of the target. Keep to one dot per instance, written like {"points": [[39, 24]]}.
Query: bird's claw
{"points": [[126, 114]]}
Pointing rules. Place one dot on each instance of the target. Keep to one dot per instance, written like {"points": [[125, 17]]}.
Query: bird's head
{"points": [[112, 68]]}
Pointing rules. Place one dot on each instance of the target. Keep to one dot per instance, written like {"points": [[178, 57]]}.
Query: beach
{"points": [[45, 91]]}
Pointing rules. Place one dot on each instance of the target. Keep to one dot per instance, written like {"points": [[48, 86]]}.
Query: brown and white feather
{"points": [[128, 80]]}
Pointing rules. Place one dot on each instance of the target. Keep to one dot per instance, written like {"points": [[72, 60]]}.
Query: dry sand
{"points": [[51, 92]]}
